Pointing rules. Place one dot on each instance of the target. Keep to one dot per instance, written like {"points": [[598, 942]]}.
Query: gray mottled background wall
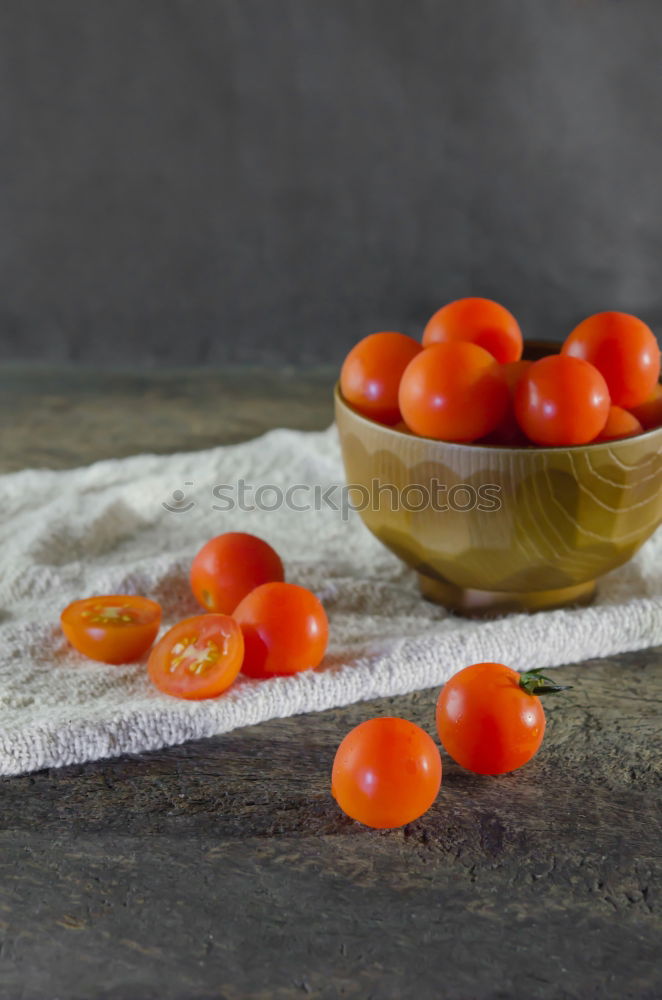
{"points": [[193, 181]]}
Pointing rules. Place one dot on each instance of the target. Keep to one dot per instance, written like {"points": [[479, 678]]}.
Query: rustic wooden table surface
{"points": [[223, 869]]}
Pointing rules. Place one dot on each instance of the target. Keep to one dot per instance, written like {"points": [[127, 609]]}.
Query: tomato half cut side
{"points": [[198, 658], [117, 628]]}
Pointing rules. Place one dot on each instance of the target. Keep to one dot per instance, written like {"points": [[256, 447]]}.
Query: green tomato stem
{"points": [[535, 682]]}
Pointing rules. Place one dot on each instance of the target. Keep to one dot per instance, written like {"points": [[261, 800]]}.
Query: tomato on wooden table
{"points": [[625, 352], [198, 658], [453, 392], [285, 630], [371, 374], [117, 628], [490, 719], [479, 321], [231, 565], [562, 400], [620, 424], [386, 772]]}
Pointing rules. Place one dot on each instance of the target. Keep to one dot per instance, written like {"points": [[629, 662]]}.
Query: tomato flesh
{"points": [[231, 565], [198, 658], [487, 722], [117, 628], [285, 630], [386, 773]]}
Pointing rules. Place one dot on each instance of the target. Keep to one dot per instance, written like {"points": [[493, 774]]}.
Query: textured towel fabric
{"points": [[103, 529]]}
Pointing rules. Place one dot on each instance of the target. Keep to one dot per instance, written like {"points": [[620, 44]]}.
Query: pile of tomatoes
{"points": [[255, 623], [387, 771], [467, 381]]}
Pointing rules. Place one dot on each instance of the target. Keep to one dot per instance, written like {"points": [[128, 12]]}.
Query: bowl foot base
{"points": [[486, 603]]}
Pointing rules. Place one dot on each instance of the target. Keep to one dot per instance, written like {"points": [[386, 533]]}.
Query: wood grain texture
{"points": [[61, 418], [223, 869]]}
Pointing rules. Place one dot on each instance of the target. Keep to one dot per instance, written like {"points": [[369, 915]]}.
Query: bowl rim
{"points": [[492, 449]]}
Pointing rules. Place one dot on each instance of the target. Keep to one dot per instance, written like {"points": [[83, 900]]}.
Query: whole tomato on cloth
{"points": [[231, 565], [285, 630]]}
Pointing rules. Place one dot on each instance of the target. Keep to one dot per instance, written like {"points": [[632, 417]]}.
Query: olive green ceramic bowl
{"points": [[494, 529]]}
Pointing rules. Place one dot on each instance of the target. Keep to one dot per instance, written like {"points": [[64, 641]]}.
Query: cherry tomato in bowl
{"points": [[285, 630], [479, 321], [625, 352], [117, 628], [562, 401], [620, 424], [490, 718], [649, 413], [453, 392], [198, 658], [231, 565], [386, 773], [371, 374], [509, 433]]}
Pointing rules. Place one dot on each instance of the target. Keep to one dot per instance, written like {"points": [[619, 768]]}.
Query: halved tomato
{"points": [[198, 658], [117, 628]]}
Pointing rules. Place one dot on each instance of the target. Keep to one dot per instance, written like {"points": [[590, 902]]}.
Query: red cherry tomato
{"points": [[231, 565], [487, 722], [514, 373], [480, 321], [371, 374], [620, 424], [453, 392], [562, 400], [509, 431], [198, 658], [623, 349], [285, 630], [118, 628], [387, 772], [649, 414]]}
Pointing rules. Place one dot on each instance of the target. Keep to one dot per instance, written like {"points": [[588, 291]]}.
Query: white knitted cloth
{"points": [[103, 529]]}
